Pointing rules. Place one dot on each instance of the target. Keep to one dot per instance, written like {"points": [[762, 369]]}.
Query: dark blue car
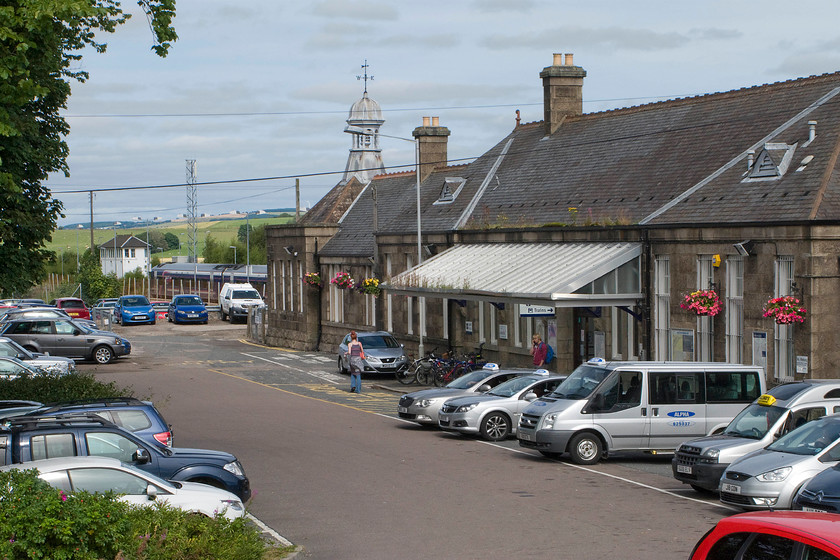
{"points": [[187, 308], [134, 310]]}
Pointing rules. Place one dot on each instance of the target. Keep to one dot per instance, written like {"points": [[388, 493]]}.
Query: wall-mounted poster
{"points": [[503, 332], [682, 345], [468, 327], [759, 349]]}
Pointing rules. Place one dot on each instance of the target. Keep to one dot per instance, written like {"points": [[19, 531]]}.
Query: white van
{"points": [[701, 462], [636, 406], [236, 299]]}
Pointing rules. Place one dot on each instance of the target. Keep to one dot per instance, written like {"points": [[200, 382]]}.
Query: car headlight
{"points": [[712, 453], [372, 360], [424, 403], [235, 467], [235, 505], [776, 475], [548, 421], [466, 407]]}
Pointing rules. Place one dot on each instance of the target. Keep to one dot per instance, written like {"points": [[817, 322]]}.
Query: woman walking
{"points": [[356, 354]]}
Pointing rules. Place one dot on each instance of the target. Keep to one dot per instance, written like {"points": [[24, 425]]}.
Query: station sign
{"points": [[528, 310]]}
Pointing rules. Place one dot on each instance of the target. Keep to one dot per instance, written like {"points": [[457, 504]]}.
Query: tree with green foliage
{"points": [[218, 252], [171, 240], [96, 285], [40, 45]]}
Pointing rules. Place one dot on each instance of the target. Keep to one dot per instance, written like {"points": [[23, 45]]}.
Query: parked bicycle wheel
{"points": [[409, 374], [425, 374]]}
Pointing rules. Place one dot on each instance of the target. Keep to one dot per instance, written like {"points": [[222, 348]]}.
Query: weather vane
{"points": [[365, 76]]}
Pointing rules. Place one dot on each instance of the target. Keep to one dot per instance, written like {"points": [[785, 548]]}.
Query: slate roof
{"points": [[334, 204], [682, 161], [124, 241]]}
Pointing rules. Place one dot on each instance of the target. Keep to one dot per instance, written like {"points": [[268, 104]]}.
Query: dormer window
{"points": [[450, 190], [771, 163]]}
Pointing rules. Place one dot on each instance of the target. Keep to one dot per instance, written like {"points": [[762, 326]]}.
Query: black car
{"points": [[821, 493], [29, 438]]}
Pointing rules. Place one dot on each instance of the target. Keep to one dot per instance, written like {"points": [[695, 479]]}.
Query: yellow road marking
{"points": [[322, 387]]}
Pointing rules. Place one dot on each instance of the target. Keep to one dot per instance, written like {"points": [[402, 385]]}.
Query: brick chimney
{"points": [[562, 91], [433, 140]]}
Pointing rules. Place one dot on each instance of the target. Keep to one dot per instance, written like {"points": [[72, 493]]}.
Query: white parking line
{"points": [[266, 529], [317, 374]]}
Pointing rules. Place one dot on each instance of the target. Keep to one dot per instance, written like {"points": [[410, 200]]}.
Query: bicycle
{"points": [[456, 368]]}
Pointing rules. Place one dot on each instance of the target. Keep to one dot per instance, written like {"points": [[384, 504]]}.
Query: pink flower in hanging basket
{"points": [[785, 310], [343, 280], [703, 302]]}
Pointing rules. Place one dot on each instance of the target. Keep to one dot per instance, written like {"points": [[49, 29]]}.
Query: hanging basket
{"points": [[369, 286], [785, 310], [343, 280], [703, 303], [313, 279]]}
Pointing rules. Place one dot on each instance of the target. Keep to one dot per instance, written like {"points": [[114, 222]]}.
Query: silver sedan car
{"points": [[769, 478], [423, 406], [495, 414]]}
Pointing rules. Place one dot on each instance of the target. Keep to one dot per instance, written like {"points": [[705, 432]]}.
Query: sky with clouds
{"points": [[258, 92]]}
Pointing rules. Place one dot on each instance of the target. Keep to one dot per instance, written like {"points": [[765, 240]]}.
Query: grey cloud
{"points": [[336, 36], [491, 6], [347, 9], [581, 37], [716, 34]]}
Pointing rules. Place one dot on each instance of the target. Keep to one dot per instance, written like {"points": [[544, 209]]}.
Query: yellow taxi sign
{"points": [[766, 400]]}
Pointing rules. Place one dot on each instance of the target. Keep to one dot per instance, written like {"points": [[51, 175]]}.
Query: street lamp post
{"points": [[234, 252], [416, 141], [78, 227], [247, 247]]}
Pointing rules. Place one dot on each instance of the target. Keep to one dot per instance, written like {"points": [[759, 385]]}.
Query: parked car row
{"points": [[66, 337], [781, 451], [120, 445]]}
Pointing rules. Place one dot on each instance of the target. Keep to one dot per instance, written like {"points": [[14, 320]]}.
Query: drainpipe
{"points": [[317, 260]]}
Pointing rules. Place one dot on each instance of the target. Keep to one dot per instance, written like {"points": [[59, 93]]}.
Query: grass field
{"points": [[68, 240]]}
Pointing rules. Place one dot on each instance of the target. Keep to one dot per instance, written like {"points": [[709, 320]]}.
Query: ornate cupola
{"points": [[365, 159]]}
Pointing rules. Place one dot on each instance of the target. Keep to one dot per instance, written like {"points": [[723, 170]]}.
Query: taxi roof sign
{"points": [[491, 366], [541, 371], [766, 400]]}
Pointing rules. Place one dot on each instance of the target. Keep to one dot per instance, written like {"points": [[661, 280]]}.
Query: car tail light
{"points": [[165, 438]]}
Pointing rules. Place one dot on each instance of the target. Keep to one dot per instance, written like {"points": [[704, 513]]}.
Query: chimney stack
{"points": [[562, 91], [432, 139]]}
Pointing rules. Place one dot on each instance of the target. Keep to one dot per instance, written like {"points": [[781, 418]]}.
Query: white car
{"points": [[423, 406], [58, 365], [494, 415], [103, 474]]}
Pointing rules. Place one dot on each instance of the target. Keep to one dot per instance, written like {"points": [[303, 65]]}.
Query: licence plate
{"points": [[685, 469], [402, 409], [526, 437], [192, 315], [388, 365], [731, 488], [813, 510], [443, 419]]}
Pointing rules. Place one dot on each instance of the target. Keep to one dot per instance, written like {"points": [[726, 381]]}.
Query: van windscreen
{"points": [[581, 383]]}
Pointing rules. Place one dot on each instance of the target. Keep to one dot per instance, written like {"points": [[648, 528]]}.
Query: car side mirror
{"points": [[530, 396], [141, 457], [151, 492], [484, 388], [77, 333]]}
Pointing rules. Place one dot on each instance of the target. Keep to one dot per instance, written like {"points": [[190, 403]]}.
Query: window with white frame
{"points": [[274, 285], [705, 332], [283, 285], [291, 285], [735, 309], [481, 337], [785, 360], [445, 316], [662, 307], [492, 311], [300, 285], [389, 312], [409, 301]]}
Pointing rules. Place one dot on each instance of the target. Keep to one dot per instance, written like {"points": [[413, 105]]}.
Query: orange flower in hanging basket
{"points": [[703, 302]]}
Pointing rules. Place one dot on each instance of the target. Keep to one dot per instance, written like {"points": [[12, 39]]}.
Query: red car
{"points": [[793, 535], [74, 307]]}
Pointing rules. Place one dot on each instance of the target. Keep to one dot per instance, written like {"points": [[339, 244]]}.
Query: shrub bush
{"points": [[39, 521], [53, 388]]}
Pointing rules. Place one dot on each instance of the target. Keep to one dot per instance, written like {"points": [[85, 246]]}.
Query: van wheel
{"points": [[585, 449], [495, 426], [103, 354]]}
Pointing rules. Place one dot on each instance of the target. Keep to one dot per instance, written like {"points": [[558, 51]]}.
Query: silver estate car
{"points": [[770, 477], [423, 406], [494, 415]]}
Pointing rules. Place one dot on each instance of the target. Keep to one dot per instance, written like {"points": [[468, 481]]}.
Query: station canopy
{"points": [[556, 274]]}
